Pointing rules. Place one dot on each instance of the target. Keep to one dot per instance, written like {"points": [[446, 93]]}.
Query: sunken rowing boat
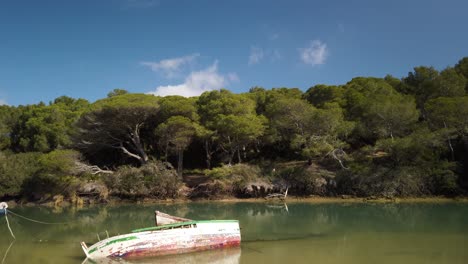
{"points": [[170, 235]]}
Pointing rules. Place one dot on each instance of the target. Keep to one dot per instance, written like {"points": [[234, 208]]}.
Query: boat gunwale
{"points": [[163, 227]]}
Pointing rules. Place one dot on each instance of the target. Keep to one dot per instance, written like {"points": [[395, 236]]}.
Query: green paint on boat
{"points": [[152, 228], [120, 240], [112, 242]]}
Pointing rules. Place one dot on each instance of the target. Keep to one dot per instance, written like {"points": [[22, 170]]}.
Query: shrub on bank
{"points": [[56, 174], [228, 180], [381, 180], [307, 180], [155, 179], [15, 169]]}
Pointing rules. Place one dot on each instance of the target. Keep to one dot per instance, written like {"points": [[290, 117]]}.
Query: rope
{"points": [[37, 221], [8, 250], [8, 224]]}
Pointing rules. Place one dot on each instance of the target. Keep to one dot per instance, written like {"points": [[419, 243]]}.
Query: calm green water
{"points": [[271, 233]]}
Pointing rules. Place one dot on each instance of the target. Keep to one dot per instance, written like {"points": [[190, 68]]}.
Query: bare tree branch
{"points": [[93, 169]]}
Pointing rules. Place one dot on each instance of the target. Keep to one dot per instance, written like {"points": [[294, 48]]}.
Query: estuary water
{"points": [[271, 232]]}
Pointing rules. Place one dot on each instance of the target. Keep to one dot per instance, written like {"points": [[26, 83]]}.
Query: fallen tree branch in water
{"points": [[281, 196]]}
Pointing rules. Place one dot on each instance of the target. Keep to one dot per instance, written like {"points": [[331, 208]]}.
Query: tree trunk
{"points": [[142, 157], [450, 143], [239, 155], [135, 138], [232, 153], [208, 154], [166, 149], [180, 162]]}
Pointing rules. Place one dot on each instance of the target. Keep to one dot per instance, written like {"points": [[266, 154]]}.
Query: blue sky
{"points": [[86, 48]]}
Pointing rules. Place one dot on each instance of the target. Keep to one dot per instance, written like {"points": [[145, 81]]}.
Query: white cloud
{"points": [[171, 67], [3, 102], [198, 82], [256, 55], [315, 54]]}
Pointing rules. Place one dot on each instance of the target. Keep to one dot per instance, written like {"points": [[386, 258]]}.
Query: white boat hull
{"points": [[170, 239]]}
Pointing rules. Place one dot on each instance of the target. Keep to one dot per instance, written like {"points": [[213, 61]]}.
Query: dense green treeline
{"points": [[370, 136]]}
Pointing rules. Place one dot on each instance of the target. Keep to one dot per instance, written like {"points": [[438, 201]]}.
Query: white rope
{"points": [[37, 221], [8, 250], [8, 224]]}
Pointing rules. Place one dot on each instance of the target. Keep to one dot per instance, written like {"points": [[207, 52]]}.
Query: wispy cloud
{"points": [[171, 67], [275, 55], [141, 3], [274, 36], [256, 55], [316, 53], [3, 102], [232, 77], [198, 82]]}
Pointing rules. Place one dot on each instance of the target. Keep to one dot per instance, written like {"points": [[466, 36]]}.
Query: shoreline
{"points": [[291, 199]]}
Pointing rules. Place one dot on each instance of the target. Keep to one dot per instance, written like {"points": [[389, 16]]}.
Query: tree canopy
{"points": [[375, 136]]}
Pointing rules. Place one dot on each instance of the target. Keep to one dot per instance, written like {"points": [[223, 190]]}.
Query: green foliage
{"points": [[212, 104], [395, 138], [177, 106], [176, 134], [394, 82], [263, 98], [126, 101], [35, 175], [178, 131], [319, 95], [44, 128], [120, 125], [8, 116], [244, 172], [419, 148], [407, 166], [232, 179], [117, 92], [462, 68], [56, 173], [305, 180], [232, 119], [379, 110], [59, 162], [313, 132], [451, 84], [375, 180], [421, 83], [288, 116], [154, 179], [235, 132], [449, 113], [219, 172], [15, 169], [425, 83]]}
